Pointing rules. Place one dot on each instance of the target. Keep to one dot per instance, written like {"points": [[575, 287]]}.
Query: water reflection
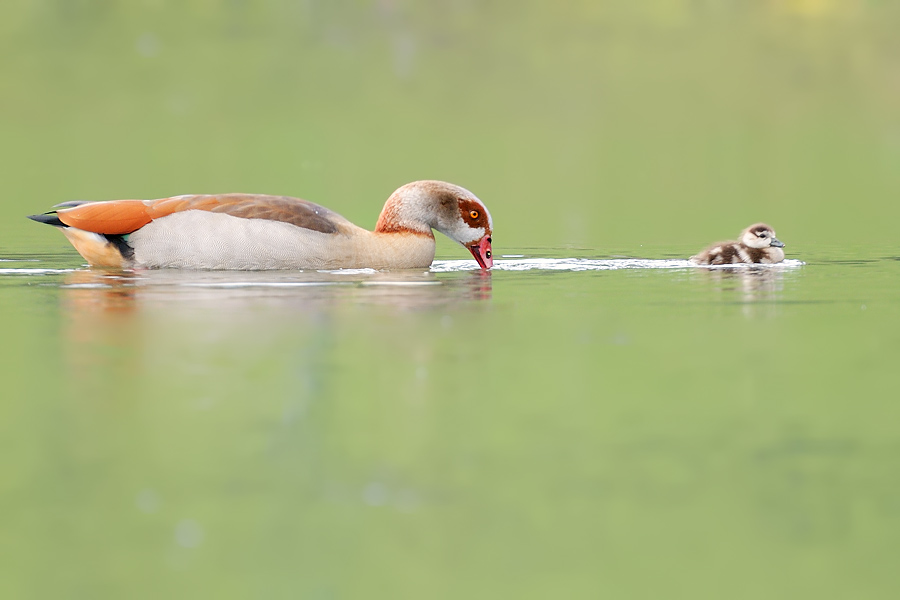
{"points": [[112, 291], [756, 287], [754, 283], [124, 291], [183, 329]]}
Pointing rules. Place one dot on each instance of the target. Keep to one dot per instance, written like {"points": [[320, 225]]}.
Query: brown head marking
{"points": [[759, 228], [474, 215]]}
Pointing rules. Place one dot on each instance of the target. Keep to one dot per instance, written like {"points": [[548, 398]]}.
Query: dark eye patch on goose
{"points": [[473, 214], [762, 234]]}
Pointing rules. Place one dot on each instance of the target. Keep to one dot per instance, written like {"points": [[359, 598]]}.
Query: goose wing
{"points": [[120, 217]]}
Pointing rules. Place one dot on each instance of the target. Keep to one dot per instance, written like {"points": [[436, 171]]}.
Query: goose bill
{"points": [[482, 253]]}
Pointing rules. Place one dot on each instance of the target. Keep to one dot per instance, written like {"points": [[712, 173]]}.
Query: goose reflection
{"points": [[124, 291], [125, 326], [100, 290]]}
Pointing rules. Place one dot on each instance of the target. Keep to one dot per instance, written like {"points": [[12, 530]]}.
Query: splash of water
{"points": [[452, 266], [587, 264]]}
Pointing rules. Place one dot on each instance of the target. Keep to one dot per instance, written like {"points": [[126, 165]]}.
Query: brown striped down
{"points": [[729, 253], [757, 255]]}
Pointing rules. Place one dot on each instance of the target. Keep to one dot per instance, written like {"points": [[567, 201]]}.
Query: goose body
{"points": [[756, 244], [255, 232]]}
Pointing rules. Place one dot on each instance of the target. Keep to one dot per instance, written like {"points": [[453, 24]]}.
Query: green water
{"points": [[628, 433]]}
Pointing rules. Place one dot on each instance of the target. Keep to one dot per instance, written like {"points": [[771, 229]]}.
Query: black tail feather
{"points": [[121, 245], [119, 241], [49, 218]]}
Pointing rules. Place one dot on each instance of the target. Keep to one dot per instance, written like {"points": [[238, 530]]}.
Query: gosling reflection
{"points": [[757, 288], [754, 282]]}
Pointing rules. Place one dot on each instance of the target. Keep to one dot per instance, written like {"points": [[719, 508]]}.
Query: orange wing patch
{"points": [[117, 217]]}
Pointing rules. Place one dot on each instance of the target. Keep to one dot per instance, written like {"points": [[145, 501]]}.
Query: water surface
{"points": [[555, 424], [595, 418]]}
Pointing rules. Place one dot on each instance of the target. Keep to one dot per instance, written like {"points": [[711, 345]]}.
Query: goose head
{"points": [[760, 235], [421, 206]]}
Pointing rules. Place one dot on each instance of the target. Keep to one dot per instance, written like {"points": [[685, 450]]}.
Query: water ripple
{"points": [[33, 271], [452, 266], [587, 264]]}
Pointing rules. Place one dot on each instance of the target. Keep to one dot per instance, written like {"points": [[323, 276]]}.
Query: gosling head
{"points": [[760, 235]]}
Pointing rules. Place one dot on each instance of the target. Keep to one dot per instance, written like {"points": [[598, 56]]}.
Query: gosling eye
{"points": [[474, 214], [763, 235]]}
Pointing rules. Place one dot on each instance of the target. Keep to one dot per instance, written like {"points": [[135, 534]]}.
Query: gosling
{"points": [[757, 244]]}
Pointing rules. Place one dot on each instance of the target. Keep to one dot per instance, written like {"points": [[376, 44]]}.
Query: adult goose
{"points": [[256, 232]]}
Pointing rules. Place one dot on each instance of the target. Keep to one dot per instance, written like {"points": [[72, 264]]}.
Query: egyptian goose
{"points": [[254, 232], [756, 244]]}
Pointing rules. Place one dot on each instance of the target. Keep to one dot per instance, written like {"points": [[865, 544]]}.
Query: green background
{"points": [[622, 434]]}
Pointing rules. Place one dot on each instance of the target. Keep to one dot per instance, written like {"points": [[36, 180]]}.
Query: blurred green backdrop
{"points": [[590, 123], [627, 434]]}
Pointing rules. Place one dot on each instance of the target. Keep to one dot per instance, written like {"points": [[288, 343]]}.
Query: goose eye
{"points": [[474, 214], [762, 235]]}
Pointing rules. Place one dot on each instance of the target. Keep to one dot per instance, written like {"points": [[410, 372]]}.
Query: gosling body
{"points": [[757, 244]]}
